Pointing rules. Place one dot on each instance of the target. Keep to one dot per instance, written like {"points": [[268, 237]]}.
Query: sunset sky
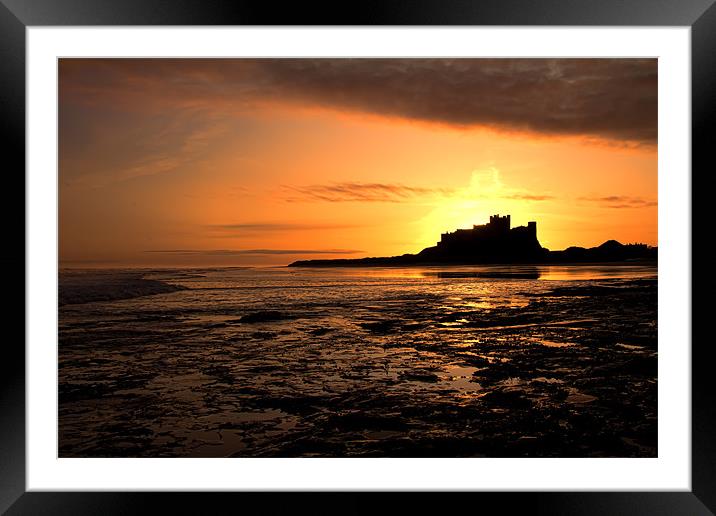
{"points": [[265, 161]]}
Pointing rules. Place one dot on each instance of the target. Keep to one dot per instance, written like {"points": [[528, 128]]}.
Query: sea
{"points": [[479, 361]]}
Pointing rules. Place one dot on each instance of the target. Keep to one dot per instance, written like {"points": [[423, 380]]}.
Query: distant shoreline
{"points": [[468, 264], [147, 269], [498, 251]]}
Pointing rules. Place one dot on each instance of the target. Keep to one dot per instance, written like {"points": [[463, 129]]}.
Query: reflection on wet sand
{"points": [[354, 363]]}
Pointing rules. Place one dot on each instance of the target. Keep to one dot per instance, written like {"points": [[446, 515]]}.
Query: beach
{"points": [[524, 361]]}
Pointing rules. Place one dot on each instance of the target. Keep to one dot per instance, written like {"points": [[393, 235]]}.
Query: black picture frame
{"points": [[17, 15]]}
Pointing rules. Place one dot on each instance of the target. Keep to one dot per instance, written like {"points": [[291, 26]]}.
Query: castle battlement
{"points": [[496, 230]]}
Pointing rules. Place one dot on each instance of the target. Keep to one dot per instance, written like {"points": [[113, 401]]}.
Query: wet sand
{"points": [[568, 369]]}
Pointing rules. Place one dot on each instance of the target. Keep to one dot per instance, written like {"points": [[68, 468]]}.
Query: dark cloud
{"points": [[360, 192], [242, 252], [614, 99], [620, 201]]}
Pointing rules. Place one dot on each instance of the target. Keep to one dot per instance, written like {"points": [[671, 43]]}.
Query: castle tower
{"points": [[500, 224], [532, 229]]}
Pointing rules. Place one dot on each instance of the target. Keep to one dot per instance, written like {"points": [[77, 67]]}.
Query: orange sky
{"points": [[236, 162]]}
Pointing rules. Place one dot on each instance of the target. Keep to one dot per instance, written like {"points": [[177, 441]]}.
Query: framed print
{"points": [[426, 249]]}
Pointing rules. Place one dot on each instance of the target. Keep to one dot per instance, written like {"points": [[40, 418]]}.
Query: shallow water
{"points": [[362, 362]]}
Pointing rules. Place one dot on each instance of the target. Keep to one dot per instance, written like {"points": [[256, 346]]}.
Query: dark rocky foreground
{"points": [[565, 372]]}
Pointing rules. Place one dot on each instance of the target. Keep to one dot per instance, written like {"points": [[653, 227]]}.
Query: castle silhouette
{"points": [[497, 242]]}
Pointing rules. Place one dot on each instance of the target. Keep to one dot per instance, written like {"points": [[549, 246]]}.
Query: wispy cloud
{"points": [[621, 201], [361, 192], [266, 227], [98, 152], [487, 184], [529, 197], [242, 252]]}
